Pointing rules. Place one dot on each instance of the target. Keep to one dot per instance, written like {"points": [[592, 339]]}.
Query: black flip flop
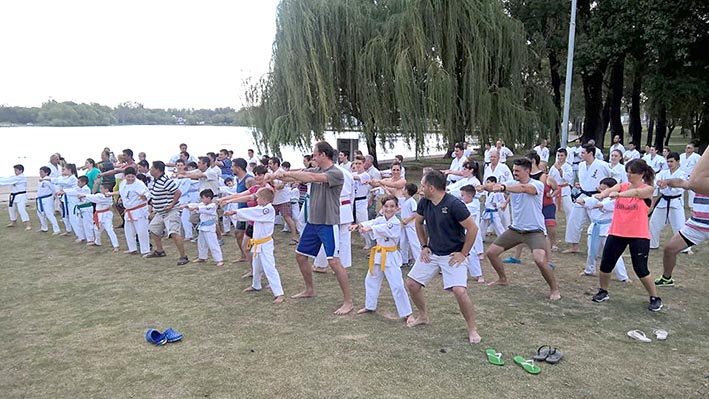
{"points": [[542, 353], [554, 356]]}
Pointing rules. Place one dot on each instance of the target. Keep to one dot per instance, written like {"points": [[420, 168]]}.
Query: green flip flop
{"points": [[527, 365], [494, 357]]}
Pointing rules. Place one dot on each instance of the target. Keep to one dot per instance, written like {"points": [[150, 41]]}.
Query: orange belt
{"points": [[96, 215], [128, 210], [558, 195], [383, 251]]}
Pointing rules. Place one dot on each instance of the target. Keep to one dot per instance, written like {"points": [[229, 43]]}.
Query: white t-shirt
{"points": [[543, 153], [527, 208], [591, 175]]}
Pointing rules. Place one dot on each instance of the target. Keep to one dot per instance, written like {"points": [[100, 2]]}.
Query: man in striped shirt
{"points": [[163, 198], [694, 232]]}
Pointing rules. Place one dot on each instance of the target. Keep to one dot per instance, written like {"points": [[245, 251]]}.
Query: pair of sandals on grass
{"points": [[638, 335], [158, 338], [545, 353]]}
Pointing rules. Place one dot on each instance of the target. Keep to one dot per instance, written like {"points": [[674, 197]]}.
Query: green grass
{"points": [[73, 321]]}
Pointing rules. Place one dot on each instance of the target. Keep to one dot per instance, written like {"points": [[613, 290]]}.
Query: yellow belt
{"points": [[383, 251], [255, 243]]}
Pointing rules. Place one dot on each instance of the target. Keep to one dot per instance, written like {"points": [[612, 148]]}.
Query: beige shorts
{"points": [[169, 223], [511, 238], [453, 276]]}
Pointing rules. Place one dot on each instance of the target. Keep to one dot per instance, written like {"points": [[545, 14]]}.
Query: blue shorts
{"points": [[317, 235]]}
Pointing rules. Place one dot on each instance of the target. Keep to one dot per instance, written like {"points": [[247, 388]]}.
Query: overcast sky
{"points": [[164, 54]]}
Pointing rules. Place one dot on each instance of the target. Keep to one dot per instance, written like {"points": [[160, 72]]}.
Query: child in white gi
{"points": [[103, 216], [189, 194], [227, 189], [490, 216], [83, 211], [134, 194], [45, 201], [385, 259], [601, 213], [67, 180], [467, 195], [18, 196], [263, 216], [409, 238], [207, 227]]}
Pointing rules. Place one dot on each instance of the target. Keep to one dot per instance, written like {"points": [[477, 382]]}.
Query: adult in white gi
{"points": [[543, 151], [631, 153], [668, 202], [347, 194], [617, 145], [687, 161], [503, 174], [563, 173], [455, 171], [574, 157]]}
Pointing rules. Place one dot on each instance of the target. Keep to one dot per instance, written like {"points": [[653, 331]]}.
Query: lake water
{"points": [[31, 146]]}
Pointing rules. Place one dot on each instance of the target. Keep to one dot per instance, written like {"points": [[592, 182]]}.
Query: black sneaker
{"points": [[601, 296], [182, 261], [655, 304]]}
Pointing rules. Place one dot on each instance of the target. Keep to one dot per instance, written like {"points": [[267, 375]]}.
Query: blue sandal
{"points": [[155, 337], [172, 336]]}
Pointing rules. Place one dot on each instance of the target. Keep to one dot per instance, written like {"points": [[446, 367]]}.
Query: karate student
{"points": [[591, 172], [45, 201], [227, 189], [601, 213], [263, 216], [103, 216], [563, 173], [409, 246], [82, 210], [467, 195], [490, 216], [385, 260], [134, 195], [189, 193], [631, 153], [687, 161], [207, 239], [18, 196], [668, 202], [67, 180], [502, 173]]}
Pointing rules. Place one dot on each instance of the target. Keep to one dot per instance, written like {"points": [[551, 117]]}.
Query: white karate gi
{"points": [[409, 246], [136, 215], [474, 261], [503, 174], [83, 212], [207, 238], [263, 260], [590, 177], [103, 218], [344, 252], [362, 188], [564, 177], [601, 223], [188, 194], [491, 215], [662, 215], [62, 183], [227, 222], [18, 196], [543, 153], [687, 164], [619, 173], [386, 233], [45, 205]]}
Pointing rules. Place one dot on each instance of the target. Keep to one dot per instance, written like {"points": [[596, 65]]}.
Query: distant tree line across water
{"points": [[68, 113]]}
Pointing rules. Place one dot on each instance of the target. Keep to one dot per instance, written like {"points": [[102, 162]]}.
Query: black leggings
{"points": [[639, 249]]}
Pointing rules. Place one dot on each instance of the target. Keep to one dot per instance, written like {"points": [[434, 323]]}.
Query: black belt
{"points": [[360, 198], [589, 193], [576, 163], [669, 199], [516, 230], [12, 197]]}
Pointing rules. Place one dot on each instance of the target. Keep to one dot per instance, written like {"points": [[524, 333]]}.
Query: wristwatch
{"points": [[425, 246]]}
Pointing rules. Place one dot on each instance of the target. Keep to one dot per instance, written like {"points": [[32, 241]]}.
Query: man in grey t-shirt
{"points": [[323, 220]]}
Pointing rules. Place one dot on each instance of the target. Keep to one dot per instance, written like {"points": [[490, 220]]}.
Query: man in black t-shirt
{"points": [[446, 240]]}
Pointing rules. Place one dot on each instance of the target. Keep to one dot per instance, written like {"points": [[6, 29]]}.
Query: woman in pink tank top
{"points": [[630, 228]]}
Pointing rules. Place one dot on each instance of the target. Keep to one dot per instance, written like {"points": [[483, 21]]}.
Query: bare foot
{"points": [[28, 228], [344, 309], [249, 289], [497, 282], [319, 269], [474, 337], [555, 295], [129, 252], [279, 300], [304, 294], [66, 233], [570, 251], [419, 321], [247, 275], [78, 240], [364, 310], [240, 260], [409, 319], [90, 244], [199, 260], [116, 250], [583, 273], [628, 281], [11, 225], [219, 264], [480, 279]]}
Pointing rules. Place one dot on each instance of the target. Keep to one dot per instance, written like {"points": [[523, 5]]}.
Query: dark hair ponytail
{"points": [[640, 167]]}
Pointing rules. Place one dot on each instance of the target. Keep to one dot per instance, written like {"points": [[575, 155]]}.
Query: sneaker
{"points": [[655, 304], [601, 296], [664, 282], [182, 261], [155, 254], [512, 260], [221, 242]]}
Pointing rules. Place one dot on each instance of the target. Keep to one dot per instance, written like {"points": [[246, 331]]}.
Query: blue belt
{"points": [[491, 212], [595, 236], [40, 206], [206, 223]]}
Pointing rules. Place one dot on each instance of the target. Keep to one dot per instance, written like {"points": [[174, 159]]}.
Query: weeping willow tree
{"points": [[398, 68]]}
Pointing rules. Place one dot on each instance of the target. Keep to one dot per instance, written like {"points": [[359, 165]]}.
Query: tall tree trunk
{"points": [[556, 89], [650, 130], [617, 98], [606, 114], [661, 130], [636, 128], [370, 137], [593, 108], [670, 128]]}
